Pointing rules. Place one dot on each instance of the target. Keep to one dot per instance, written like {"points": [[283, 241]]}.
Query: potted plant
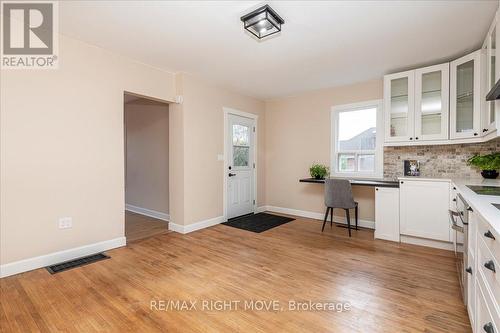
{"points": [[489, 164], [318, 171]]}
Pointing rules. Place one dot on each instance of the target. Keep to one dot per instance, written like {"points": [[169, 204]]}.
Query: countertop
{"points": [[377, 182], [483, 204]]}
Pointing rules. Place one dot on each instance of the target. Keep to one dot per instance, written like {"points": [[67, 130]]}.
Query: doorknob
{"points": [[231, 174]]}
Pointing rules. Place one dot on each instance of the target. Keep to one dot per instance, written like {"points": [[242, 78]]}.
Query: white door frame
{"points": [[227, 111]]}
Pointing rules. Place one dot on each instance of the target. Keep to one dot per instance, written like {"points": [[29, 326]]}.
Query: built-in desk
{"points": [[357, 181], [386, 204]]}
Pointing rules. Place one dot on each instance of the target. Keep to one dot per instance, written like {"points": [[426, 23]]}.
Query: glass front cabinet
{"points": [[490, 78], [431, 103], [465, 97], [416, 104], [399, 106]]}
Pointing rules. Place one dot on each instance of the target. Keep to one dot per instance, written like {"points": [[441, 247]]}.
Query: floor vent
{"points": [[64, 266]]}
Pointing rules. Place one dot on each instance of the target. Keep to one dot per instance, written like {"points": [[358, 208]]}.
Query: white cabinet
{"points": [[387, 213], [399, 106], [424, 209], [465, 96], [431, 103], [489, 79], [416, 104]]}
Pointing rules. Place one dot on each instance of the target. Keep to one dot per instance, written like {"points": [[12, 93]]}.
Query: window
{"points": [[357, 140]]}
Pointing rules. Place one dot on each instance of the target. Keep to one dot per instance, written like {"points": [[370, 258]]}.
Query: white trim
{"points": [[184, 229], [317, 216], [60, 256], [379, 149], [427, 242], [147, 212], [227, 111]]}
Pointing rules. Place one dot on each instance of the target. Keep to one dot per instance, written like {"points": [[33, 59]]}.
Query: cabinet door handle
{"points": [[231, 174], [475, 134], [416, 138], [485, 130], [490, 265], [469, 270], [488, 234], [411, 138], [488, 328]]}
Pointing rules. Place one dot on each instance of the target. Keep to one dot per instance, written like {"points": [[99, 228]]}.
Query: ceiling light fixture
{"points": [[262, 22]]}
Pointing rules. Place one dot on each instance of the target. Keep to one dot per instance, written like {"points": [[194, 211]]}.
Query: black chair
{"points": [[338, 194]]}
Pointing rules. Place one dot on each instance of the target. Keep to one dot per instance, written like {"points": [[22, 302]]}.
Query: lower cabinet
{"points": [[424, 209], [387, 213], [483, 303]]}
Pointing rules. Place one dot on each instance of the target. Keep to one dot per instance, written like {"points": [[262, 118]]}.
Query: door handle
{"points": [[488, 328], [490, 265], [489, 235], [231, 174]]}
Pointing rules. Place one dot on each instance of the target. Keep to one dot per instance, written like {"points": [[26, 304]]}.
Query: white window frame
{"points": [[379, 148]]}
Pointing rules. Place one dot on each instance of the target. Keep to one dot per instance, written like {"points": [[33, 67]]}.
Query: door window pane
{"points": [[399, 106], [347, 162], [465, 97], [240, 156], [366, 162], [240, 135], [431, 107]]}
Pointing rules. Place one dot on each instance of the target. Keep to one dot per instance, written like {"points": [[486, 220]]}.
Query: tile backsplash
{"points": [[441, 160]]}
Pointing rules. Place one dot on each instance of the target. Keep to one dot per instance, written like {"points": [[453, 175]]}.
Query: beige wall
{"points": [[203, 139], [146, 184], [298, 135], [62, 148]]}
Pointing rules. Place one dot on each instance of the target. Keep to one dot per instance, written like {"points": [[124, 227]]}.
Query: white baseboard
{"points": [[260, 209], [57, 257], [184, 229], [317, 216], [147, 212], [427, 242]]}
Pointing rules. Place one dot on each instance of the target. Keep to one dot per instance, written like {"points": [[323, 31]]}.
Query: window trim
{"points": [[379, 148]]}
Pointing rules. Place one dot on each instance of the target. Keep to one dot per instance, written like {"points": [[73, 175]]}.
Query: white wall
{"points": [[62, 149], [146, 184]]}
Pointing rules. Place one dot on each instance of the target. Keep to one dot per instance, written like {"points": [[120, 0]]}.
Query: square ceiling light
{"points": [[262, 22]]}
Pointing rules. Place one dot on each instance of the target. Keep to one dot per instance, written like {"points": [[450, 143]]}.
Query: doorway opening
{"points": [[146, 167], [240, 163]]}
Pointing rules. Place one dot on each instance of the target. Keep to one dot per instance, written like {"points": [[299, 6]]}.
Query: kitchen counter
{"points": [[376, 182], [483, 204]]}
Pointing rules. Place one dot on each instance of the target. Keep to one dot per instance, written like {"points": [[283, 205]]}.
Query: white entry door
{"points": [[240, 166]]}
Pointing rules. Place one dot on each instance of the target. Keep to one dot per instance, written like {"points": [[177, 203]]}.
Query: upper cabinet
{"points": [[431, 102], [465, 96], [490, 78], [399, 106], [416, 104]]}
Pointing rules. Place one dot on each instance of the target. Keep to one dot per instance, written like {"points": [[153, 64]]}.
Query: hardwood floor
{"points": [[390, 287], [139, 226]]}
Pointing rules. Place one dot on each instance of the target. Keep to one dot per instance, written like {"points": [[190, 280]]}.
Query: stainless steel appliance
{"points": [[459, 221], [485, 190]]}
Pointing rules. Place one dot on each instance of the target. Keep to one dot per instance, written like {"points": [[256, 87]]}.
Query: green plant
{"points": [[319, 171], [485, 162]]}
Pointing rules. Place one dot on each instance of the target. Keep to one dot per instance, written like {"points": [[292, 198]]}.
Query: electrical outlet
{"points": [[65, 222]]}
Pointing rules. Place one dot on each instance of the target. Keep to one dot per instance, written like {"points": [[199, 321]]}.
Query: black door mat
{"points": [[64, 266], [258, 222]]}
